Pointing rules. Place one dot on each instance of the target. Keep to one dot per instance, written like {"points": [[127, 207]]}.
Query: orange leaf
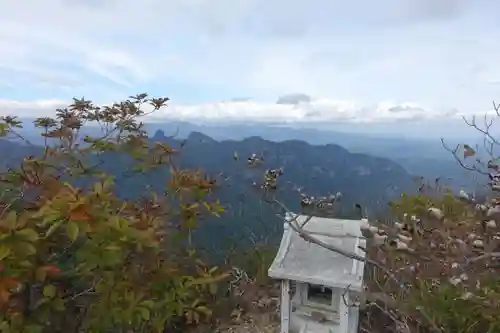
{"points": [[8, 282], [468, 151], [79, 214], [12, 314], [4, 296], [51, 269], [58, 133]]}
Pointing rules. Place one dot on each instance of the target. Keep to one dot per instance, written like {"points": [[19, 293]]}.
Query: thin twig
{"points": [[305, 235]]}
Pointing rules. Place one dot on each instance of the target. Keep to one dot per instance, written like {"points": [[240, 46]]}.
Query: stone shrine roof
{"points": [[303, 261]]}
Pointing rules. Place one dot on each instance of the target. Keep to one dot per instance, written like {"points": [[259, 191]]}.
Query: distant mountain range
{"points": [[423, 157], [313, 170]]}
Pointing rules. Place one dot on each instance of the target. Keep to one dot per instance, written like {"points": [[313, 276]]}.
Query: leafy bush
{"points": [[443, 254], [77, 258], [431, 267]]}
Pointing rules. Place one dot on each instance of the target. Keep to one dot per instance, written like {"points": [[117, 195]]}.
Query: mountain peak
{"points": [[200, 137], [159, 135]]}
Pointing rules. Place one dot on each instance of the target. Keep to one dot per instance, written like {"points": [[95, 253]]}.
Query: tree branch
{"points": [[305, 235]]}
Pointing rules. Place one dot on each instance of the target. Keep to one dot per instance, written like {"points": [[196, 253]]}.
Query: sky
{"points": [[398, 66]]}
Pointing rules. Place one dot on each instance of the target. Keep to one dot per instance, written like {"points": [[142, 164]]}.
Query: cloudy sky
{"points": [[419, 63]]}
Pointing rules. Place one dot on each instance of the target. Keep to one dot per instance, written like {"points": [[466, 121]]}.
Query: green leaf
{"points": [[98, 188], [11, 219], [33, 329], [4, 251], [148, 304], [114, 222], [47, 219], [28, 234], [49, 291], [59, 305], [203, 309], [72, 230], [4, 129], [41, 302], [53, 228], [25, 264], [26, 249], [212, 288], [144, 313]]}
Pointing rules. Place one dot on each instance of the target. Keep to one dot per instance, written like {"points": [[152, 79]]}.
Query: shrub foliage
{"points": [[76, 258]]}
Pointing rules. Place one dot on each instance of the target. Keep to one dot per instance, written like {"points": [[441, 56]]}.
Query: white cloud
{"points": [[353, 55], [386, 118], [313, 111], [36, 108]]}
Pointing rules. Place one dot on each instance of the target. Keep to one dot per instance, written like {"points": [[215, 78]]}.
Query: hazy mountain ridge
{"points": [[423, 157], [317, 170]]}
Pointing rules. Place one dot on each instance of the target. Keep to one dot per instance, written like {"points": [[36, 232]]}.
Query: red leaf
{"points": [[468, 151], [79, 214], [4, 296], [51, 269], [8, 282]]}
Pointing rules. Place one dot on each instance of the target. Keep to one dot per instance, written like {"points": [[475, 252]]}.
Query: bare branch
{"points": [[485, 131], [454, 153], [305, 235]]}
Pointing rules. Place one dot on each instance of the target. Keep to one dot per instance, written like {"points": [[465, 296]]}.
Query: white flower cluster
{"points": [[319, 202], [399, 238]]}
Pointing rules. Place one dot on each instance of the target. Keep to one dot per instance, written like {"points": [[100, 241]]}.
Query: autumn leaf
{"points": [[50, 270], [59, 133], [6, 285], [79, 214], [9, 283], [13, 314], [468, 151], [4, 296], [40, 274], [39, 254]]}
